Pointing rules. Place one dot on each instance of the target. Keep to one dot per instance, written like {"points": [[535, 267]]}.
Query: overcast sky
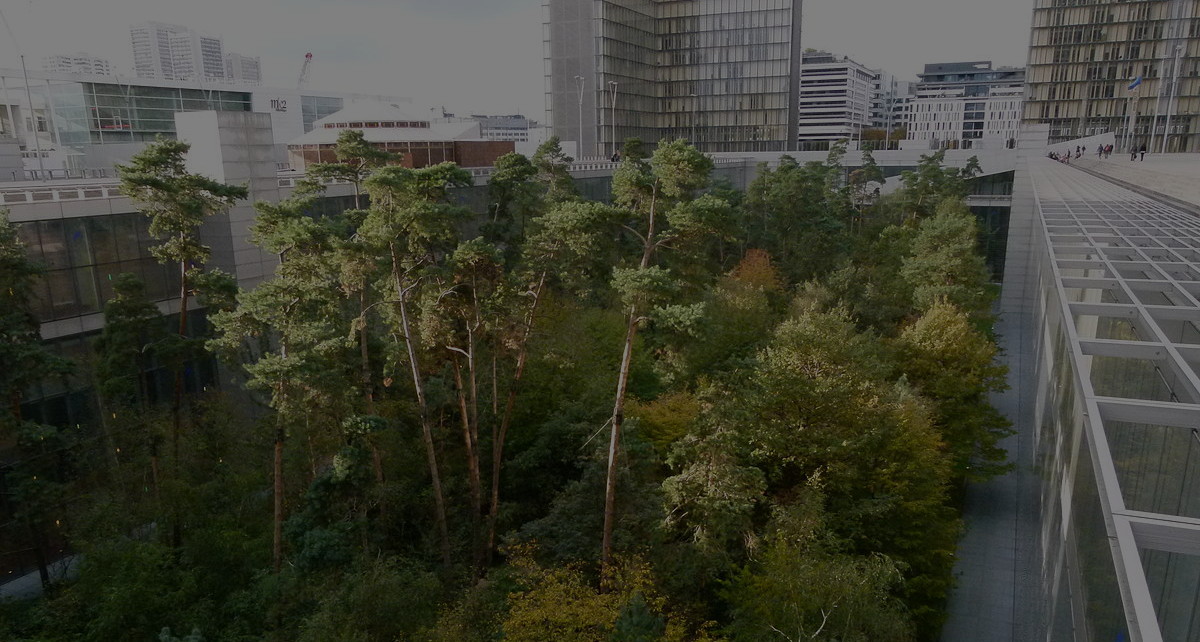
{"points": [[476, 56]]}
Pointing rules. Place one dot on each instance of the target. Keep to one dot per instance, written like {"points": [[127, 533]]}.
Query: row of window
{"points": [[710, 7], [378, 124], [82, 257]]}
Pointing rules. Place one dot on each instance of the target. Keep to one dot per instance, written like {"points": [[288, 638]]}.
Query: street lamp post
{"points": [[579, 80], [613, 85], [1171, 99]]}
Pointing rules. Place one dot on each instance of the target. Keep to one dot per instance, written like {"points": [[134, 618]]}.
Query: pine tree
{"points": [[177, 202]]}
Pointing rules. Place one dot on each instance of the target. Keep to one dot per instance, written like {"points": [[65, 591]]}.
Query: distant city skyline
{"points": [[480, 57]]}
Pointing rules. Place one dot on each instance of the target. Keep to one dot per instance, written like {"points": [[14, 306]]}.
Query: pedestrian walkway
{"points": [[1176, 176]]}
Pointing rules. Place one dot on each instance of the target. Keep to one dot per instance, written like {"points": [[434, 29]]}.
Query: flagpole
{"points": [[1131, 114]]}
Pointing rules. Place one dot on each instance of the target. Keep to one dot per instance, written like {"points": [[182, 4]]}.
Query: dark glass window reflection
{"points": [[82, 257]]}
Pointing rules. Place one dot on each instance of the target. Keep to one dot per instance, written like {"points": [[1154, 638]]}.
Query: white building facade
{"points": [[966, 105], [175, 52], [241, 69], [954, 120], [197, 56], [77, 63], [835, 99], [152, 57]]}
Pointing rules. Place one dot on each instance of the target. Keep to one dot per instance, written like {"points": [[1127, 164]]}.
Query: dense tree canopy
{"points": [[686, 414]]}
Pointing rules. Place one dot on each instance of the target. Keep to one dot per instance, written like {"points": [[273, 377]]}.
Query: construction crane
{"points": [[300, 82]]}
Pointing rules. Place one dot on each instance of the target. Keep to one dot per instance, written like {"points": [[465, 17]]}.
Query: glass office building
{"points": [[720, 73], [73, 113], [1117, 409], [1083, 56], [81, 121]]}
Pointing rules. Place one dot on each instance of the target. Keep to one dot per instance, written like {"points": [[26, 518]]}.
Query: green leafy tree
{"points": [[872, 287], [568, 237], [133, 330], [177, 202], [798, 214], [819, 403], [514, 197], [945, 265], [412, 223], [463, 315], [35, 489], [553, 171], [298, 313], [801, 587], [658, 198], [953, 364], [931, 183], [357, 158], [560, 603]]}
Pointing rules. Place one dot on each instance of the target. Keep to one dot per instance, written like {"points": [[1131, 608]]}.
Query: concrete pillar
{"points": [[12, 168], [234, 147]]}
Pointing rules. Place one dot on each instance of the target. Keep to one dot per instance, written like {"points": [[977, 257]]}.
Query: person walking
{"points": [[1143, 151], [1100, 151]]}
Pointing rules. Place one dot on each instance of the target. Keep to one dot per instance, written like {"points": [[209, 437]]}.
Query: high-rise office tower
{"points": [[835, 99], [720, 73], [241, 69], [197, 56], [1083, 58], [152, 56], [78, 63], [176, 52]]}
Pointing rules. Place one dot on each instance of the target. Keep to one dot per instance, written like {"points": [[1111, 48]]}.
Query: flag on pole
{"points": [[1135, 82]]}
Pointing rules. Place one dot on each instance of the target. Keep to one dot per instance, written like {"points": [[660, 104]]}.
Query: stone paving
{"points": [[1174, 175]]}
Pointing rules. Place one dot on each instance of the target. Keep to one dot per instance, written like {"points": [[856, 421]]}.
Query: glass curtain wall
{"points": [[70, 115]]}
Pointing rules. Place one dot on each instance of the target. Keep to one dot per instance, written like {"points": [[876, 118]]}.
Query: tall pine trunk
{"points": [[277, 517], [423, 406], [470, 442], [500, 433], [177, 400], [614, 445], [365, 372], [618, 416]]}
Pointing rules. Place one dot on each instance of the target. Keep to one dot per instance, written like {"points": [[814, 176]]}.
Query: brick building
{"points": [[422, 140]]}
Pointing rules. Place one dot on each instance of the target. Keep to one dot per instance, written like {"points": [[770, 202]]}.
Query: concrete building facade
{"points": [[196, 57], [964, 104], [720, 73], [152, 51], [836, 96], [1084, 56], [77, 63], [243, 70], [890, 98], [98, 120]]}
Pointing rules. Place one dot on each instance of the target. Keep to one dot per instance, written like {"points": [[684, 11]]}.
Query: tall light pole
{"points": [[579, 80], [37, 145], [1162, 86], [1171, 99], [695, 99], [613, 85]]}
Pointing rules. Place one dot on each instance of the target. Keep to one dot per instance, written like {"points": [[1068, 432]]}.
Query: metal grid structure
{"points": [[1118, 410]]}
